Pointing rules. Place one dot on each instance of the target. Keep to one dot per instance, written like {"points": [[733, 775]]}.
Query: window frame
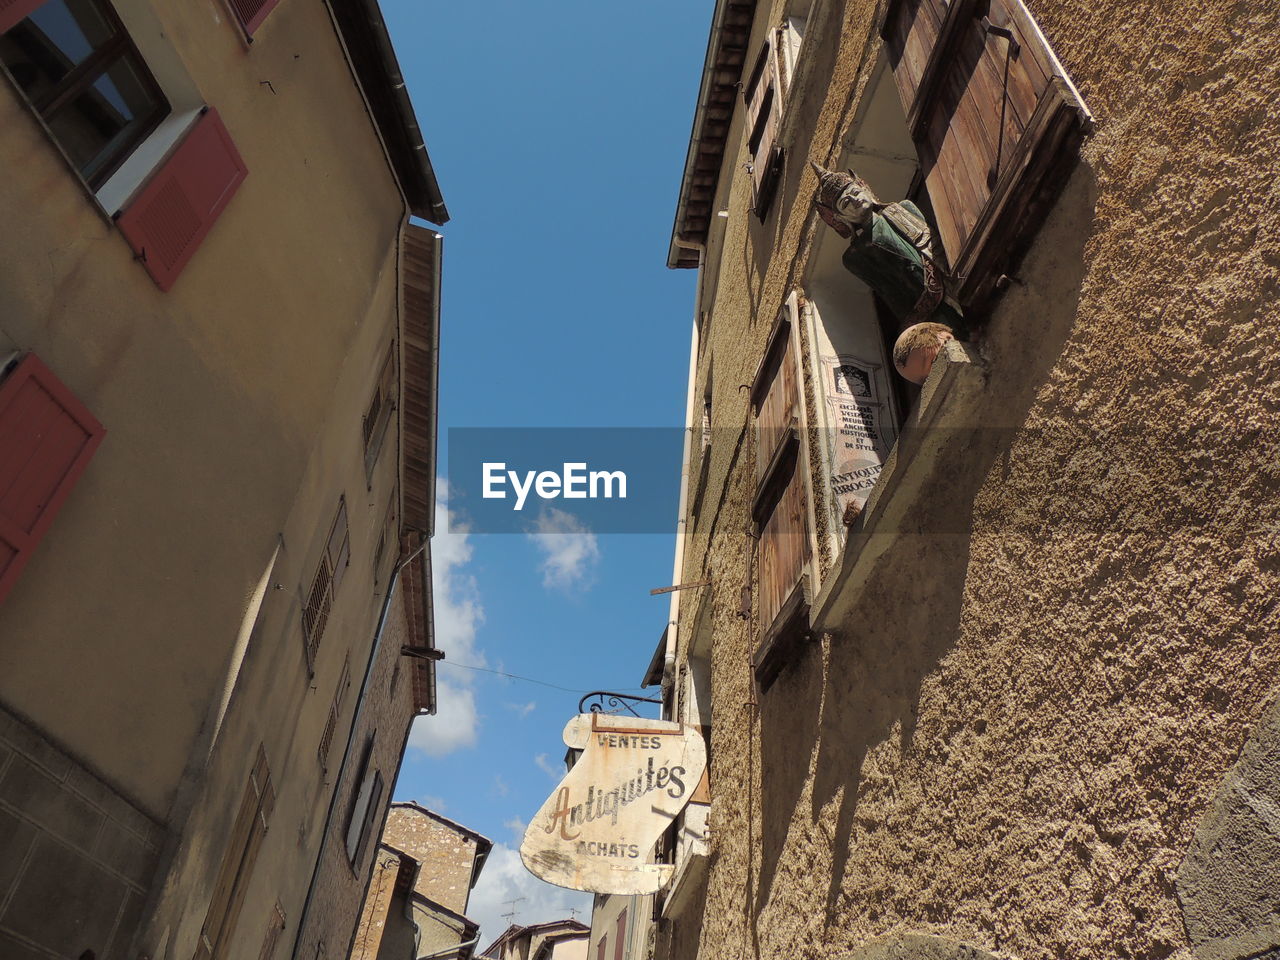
{"points": [[781, 483], [380, 411], [236, 870], [364, 808], [923, 41], [319, 598], [119, 48]]}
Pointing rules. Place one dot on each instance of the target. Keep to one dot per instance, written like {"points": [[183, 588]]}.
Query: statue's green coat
{"points": [[891, 265]]}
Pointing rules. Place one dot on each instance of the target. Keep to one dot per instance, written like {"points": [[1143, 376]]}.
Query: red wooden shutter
{"points": [[600, 946], [47, 438], [620, 936], [995, 121], [173, 213], [13, 12], [251, 13]]}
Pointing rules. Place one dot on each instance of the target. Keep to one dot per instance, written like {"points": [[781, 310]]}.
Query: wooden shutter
{"points": [[178, 206], [996, 123], [275, 927], [763, 93], [237, 862], [600, 946], [335, 712], [47, 438], [251, 13], [315, 615], [338, 547], [370, 817], [13, 12], [780, 505], [620, 936]]}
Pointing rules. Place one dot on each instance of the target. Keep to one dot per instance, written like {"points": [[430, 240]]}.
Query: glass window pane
{"points": [[95, 127], [46, 46]]}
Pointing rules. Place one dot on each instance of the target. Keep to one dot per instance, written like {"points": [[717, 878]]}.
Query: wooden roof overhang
{"points": [[713, 116], [419, 380]]}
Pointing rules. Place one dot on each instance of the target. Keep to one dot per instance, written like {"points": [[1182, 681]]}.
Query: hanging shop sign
{"points": [[597, 830]]}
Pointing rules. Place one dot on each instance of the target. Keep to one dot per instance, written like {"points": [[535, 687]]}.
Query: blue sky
{"points": [[558, 133]]}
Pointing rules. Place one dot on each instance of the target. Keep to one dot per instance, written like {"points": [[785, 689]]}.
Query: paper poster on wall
{"points": [[860, 437]]}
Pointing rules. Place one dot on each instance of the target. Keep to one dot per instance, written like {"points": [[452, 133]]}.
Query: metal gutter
{"points": [[373, 60], [361, 700]]}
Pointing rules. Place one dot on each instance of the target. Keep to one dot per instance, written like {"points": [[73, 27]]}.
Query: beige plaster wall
{"points": [[1016, 731], [214, 395]]}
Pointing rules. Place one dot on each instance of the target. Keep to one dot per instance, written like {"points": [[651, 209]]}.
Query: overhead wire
{"points": [[515, 676]]}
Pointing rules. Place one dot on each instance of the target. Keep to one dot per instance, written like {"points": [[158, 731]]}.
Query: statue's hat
{"points": [[830, 185]]}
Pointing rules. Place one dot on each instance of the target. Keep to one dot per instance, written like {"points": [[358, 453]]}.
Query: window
{"points": [[76, 65], [996, 123], [763, 93], [335, 711], [364, 810], [237, 863], [600, 946], [380, 409], [47, 438], [324, 585], [390, 534], [780, 506], [251, 13], [82, 74], [620, 936]]}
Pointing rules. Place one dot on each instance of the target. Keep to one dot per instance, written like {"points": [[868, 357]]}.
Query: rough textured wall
{"points": [[340, 888], [1016, 733], [447, 856]]}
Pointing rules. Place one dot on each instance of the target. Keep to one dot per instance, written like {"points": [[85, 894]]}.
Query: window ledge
{"points": [[929, 447], [690, 874]]}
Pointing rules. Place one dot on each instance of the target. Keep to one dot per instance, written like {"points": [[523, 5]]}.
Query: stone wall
{"points": [[1021, 720], [447, 854], [78, 857]]}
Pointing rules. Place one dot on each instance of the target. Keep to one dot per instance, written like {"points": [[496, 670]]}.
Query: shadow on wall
{"points": [[863, 686]]}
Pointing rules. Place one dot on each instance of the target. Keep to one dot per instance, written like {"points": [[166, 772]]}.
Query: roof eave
{"points": [[725, 54], [373, 58]]}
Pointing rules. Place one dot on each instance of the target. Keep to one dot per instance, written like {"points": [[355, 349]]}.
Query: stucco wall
{"points": [[233, 408], [1016, 731], [214, 394]]}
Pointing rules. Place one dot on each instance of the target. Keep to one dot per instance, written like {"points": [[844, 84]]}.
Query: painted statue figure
{"points": [[890, 250]]}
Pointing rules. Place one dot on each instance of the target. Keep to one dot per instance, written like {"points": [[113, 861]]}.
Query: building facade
{"points": [[416, 902], [218, 349], [553, 940], [989, 665]]}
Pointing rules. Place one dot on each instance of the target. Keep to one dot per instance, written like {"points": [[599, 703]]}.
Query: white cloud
{"points": [[455, 725], [569, 549], [523, 709], [546, 766], [458, 615], [503, 879], [517, 828], [500, 787]]}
